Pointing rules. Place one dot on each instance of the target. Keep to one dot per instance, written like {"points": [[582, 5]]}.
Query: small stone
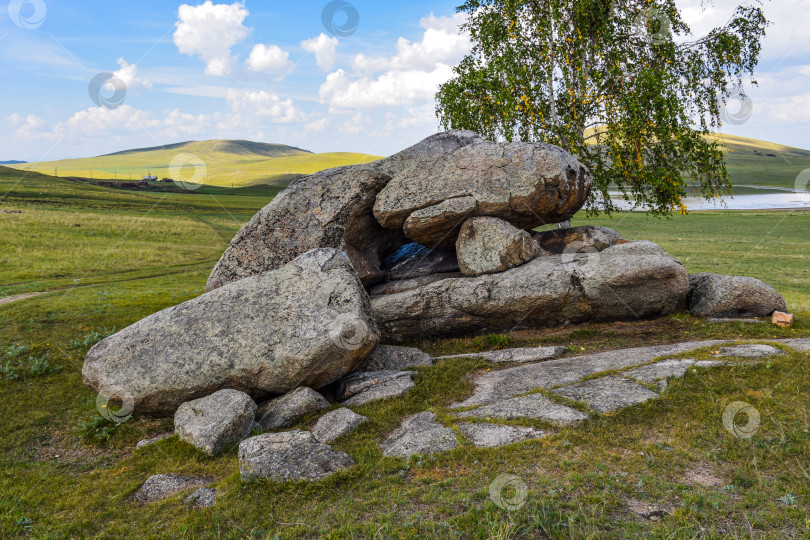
{"points": [[535, 406], [607, 394], [518, 355], [782, 319], [489, 245], [213, 423], [203, 497], [749, 351], [493, 435], [419, 434], [292, 455], [152, 440], [392, 358], [287, 410], [390, 389], [556, 241], [337, 423], [353, 384], [162, 486]]}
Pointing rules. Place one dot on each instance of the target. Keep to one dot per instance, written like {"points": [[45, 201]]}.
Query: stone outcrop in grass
{"points": [[293, 455]]}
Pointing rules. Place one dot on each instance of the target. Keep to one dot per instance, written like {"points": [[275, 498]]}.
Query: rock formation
{"points": [[306, 324], [424, 193]]}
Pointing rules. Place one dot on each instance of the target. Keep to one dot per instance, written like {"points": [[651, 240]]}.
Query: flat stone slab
{"points": [[387, 390], [419, 434], [665, 369], [520, 355], [723, 320], [534, 406], [494, 435], [495, 386], [163, 486], [801, 345], [292, 455], [710, 363], [393, 358], [607, 394], [353, 384], [337, 423], [749, 351]]}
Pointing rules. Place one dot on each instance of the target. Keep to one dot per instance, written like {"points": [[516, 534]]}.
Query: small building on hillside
{"points": [[150, 178]]}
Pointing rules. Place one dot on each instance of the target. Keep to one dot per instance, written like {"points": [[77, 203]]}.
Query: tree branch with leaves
{"points": [[616, 83]]}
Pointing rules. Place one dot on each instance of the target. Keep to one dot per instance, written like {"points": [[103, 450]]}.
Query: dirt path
{"points": [[10, 299]]}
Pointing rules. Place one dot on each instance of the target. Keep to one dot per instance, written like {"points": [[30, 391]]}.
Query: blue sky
{"points": [[270, 71]]}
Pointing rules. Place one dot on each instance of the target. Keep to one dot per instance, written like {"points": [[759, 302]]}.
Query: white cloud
{"points": [[209, 31], [319, 125], [129, 75], [268, 58], [786, 38], [406, 88], [786, 110], [442, 43], [26, 125], [264, 104], [409, 79], [358, 124], [324, 49]]}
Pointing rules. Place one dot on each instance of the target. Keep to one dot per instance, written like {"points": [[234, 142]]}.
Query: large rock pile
{"points": [[437, 240], [424, 194]]}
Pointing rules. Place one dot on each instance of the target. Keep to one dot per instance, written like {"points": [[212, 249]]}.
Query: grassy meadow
{"points": [[104, 258]]}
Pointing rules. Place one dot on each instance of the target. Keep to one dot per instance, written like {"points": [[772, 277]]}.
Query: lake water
{"points": [[769, 199]]}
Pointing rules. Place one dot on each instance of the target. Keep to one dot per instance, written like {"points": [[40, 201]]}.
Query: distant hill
{"points": [[229, 163], [12, 162], [761, 163]]}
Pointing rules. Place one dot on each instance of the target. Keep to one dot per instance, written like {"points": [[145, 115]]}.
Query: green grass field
{"points": [[104, 258], [227, 163]]}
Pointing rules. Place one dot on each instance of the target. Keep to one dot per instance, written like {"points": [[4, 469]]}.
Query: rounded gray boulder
{"points": [[305, 324], [488, 245], [715, 295]]}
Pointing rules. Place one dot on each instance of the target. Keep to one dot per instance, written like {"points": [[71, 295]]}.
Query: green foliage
{"points": [[17, 367], [98, 430], [492, 341], [618, 84], [92, 338]]}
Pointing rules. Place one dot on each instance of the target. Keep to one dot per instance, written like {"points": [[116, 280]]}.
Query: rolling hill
{"points": [[229, 163], [761, 163]]}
